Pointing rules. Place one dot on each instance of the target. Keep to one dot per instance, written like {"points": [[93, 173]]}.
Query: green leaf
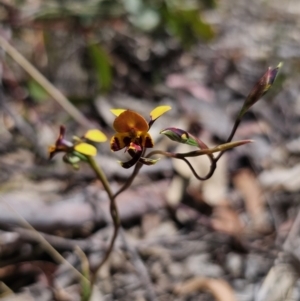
{"points": [[187, 25], [102, 64], [201, 29], [230, 145], [36, 91], [86, 288], [82, 157], [72, 160], [209, 151]]}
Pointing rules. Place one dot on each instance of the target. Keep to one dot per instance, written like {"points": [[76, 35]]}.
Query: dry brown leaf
{"points": [[225, 219], [178, 81], [245, 181], [251, 128], [219, 288]]}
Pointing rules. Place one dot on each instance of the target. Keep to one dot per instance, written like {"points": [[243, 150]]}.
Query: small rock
{"points": [[234, 264], [199, 265], [244, 290], [256, 266]]}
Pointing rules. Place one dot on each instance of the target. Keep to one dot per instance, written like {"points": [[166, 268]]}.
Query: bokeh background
{"points": [[234, 237]]}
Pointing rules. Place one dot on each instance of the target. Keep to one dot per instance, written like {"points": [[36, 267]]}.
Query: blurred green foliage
{"points": [[176, 17], [102, 66], [187, 25], [100, 21], [36, 91]]}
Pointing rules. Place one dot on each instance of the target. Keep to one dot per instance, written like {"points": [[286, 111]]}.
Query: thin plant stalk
{"points": [[113, 208], [201, 152], [113, 211], [45, 244], [129, 181], [230, 137], [44, 82]]}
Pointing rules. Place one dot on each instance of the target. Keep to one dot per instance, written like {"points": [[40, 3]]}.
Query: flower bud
{"points": [[260, 89], [179, 135]]}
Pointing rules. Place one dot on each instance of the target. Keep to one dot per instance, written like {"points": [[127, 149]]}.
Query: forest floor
{"points": [[233, 237]]}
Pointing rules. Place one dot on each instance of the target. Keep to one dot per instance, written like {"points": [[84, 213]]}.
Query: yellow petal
{"points": [[158, 111], [86, 149], [117, 112], [95, 135]]}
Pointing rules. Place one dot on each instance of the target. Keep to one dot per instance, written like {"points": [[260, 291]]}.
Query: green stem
{"points": [[113, 212], [113, 207], [101, 176], [200, 152]]}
